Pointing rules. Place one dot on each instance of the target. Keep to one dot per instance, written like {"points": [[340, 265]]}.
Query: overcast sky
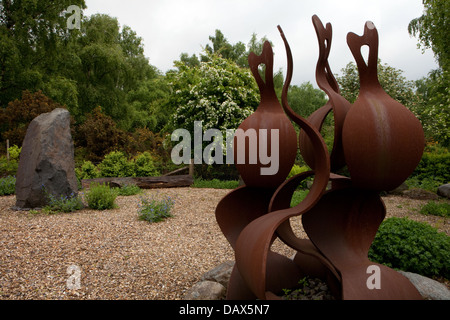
{"points": [[171, 27]]}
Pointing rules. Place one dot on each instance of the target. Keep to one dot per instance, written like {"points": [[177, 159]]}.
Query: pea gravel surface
{"points": [[112, 255]]}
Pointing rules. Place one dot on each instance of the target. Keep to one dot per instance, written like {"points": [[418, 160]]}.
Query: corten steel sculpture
{"points": [[379, 140]]}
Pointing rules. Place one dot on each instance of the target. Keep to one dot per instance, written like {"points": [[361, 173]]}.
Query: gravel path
{"points": [[118, 256]]}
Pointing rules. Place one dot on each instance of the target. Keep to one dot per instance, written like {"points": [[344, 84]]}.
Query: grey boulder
{"points": [[46, 163], [444, 190]]}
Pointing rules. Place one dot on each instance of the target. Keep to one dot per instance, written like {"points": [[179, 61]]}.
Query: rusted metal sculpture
{"points": [[383, 140], [341, 222], [269, 116]]}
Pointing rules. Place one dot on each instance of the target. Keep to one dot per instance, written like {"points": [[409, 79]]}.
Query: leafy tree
{"points": [[434, 107], [112, 66], [148, 100], [100, 64], [305, 99], [32, 36], [391, 79], [191, 61], [219, 93], [432, 29], [222, 47], [237, 52]]}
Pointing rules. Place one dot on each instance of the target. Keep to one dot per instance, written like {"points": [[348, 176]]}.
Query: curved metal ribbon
{"points": [[336, 103]]}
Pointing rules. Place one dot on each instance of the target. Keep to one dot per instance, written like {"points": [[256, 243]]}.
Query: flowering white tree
{"points": [[218, 92]]}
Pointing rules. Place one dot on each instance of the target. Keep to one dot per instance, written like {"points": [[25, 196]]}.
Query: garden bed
{"points": [[122, 257]]}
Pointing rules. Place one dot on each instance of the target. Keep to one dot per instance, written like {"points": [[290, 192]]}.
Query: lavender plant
{"points": [[155, 210], [63, 203]]}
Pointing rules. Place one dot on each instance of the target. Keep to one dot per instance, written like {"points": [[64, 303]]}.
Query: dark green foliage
{"points": [[215, 184], [412, 246], [7, 185], [305, 99], [435, 165], [34, 46]]}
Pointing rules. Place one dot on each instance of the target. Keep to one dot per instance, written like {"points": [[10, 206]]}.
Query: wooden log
{"points": [[143, 182]]}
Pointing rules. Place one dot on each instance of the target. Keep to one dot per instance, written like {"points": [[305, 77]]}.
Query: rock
{"points": [[420, 194], [46, 161], [312, 289], [444, 190], [399, 190], [206, 290], [429, 289], [220, 274]]}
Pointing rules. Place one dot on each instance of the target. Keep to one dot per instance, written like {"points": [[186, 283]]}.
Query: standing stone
{"points": [[46, 161]]}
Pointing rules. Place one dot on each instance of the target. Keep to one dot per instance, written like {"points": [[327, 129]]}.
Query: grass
{"points": [[297, 197], [215, 184], [441, 209]]}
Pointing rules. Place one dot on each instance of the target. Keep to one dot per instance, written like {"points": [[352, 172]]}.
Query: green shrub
{"points": [[441, 209], [153, 210], [296, 169], [434, 165], [88, 170], [101, 197], [14, 152], [7, 185], [9, 167], [412, 246], [428, 184], [215, 184], [144, 166], [129, 190], [63, 203], [116, 164]]}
